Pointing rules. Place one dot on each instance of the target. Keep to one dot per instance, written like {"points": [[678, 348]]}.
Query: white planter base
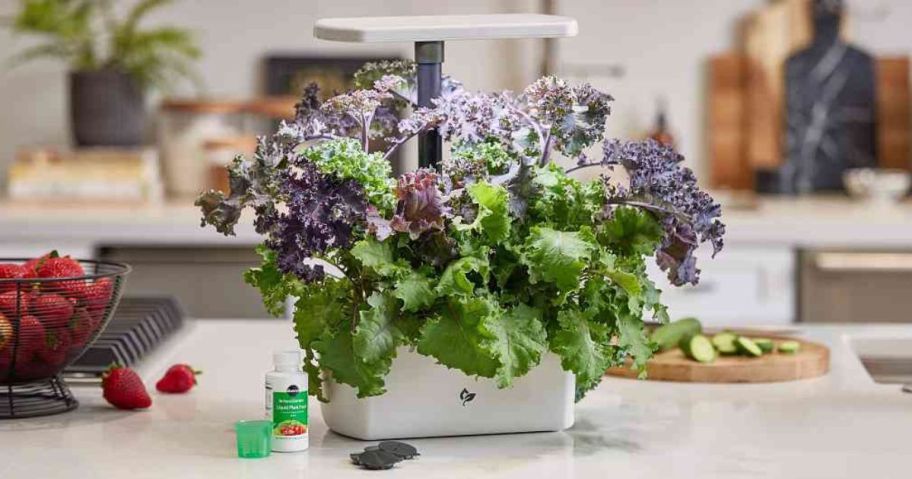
{"points": [[425, 399]]}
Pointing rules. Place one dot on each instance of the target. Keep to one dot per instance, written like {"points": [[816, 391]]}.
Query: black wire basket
{"points": [[45, 325]]}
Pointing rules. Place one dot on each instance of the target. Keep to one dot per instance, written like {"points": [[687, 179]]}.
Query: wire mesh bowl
{"points": [[45, 325]]}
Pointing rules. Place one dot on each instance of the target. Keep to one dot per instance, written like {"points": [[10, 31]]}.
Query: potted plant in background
{"points": [[112, 62], [497, 265]]}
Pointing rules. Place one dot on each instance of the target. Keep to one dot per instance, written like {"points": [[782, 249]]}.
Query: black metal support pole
{"points": [[429, 57]]}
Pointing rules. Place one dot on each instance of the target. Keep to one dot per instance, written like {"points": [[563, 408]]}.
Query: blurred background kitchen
{"points": [[795, 112]]}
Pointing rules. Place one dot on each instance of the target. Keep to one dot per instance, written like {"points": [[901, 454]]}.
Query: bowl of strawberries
{"points": [[51, 310]]}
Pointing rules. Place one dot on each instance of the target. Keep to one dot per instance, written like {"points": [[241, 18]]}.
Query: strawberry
{"points": [[11, 271], [96, 296], [179, 378], [32, 337], [81, 327], [33, 264], [9, 305], [124, 389], [53, 310], [61, 267], [56, 346]]}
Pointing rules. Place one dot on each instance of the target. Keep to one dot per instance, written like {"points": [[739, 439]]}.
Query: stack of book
{"points": [[93, 174]]}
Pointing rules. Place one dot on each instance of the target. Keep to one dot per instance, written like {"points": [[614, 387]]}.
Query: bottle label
{"points": [[289, 412]]}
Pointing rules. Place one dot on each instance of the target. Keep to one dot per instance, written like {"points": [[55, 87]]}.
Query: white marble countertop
{"points": [[803, 222], [842, 425]]}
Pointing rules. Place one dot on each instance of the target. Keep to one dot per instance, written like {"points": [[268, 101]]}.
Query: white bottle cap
{"points": [[288, 361]]}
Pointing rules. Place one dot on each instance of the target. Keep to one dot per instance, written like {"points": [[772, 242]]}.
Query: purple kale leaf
{"points": [[321, 214], [567, 118], [659, 184], [253, 183], [420, 206]]}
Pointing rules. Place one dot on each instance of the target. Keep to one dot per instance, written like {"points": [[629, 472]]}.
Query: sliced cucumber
{"points": [[765, 344], [788, 347], [747, 347], [699, 348], [668, 336], [725, 343]]}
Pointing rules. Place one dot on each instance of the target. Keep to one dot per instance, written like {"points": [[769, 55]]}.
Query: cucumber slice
{"points": [[668, 336], [788, 347], [699, 348], [765, 344], [747, 347], [725, 343]]}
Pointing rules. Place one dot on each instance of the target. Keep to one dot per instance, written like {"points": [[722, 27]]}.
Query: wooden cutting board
{"points": [[811, 361]]}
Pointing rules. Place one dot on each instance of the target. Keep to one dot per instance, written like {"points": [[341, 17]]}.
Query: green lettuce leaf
{"points": [[493, 219], [460, 338], [377, 256]]}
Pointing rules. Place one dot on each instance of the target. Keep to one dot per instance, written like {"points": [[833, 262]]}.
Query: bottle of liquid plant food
{"points": [[286, 402]]}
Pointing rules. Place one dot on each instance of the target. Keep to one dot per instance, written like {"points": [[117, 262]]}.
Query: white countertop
{"points": [[840, 426], [803, 222]]}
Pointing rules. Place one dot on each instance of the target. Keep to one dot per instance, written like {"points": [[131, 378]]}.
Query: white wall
{"points": [[235, 35], [661, 44]]}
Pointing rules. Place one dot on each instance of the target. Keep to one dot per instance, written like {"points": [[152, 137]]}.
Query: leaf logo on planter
{"points": [[465, 396]]}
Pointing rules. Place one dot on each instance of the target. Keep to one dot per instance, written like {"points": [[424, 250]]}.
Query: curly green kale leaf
{"points": [[416, 292], [319, 310], [563, 202], [457, 278], [631, 231], [321, 306], [377, 335], [558, 257], [461, 337], [632, 338], [345, 159], [583, 346], [339, 355], [275, 287], [519, 343]]}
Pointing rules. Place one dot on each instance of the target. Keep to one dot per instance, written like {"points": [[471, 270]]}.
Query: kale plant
{"points": [[486, 264]]}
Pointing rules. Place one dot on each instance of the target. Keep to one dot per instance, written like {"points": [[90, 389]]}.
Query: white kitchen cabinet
{"points": [[743, 285]]}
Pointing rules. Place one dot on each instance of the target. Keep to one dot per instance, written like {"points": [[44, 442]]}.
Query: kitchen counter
{"points": [[805, 222], [842, 425]]}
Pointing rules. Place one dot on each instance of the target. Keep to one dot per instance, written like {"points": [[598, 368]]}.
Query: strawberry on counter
{"points": [[124, 389], [179, 378]]}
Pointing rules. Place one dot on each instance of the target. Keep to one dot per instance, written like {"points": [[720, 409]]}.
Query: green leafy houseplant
{"points": [[88, 36], [112, 61], [485, 264]]}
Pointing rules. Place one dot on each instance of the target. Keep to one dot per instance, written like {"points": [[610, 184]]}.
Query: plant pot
{"points": [[107, 108], [426, 399]]}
